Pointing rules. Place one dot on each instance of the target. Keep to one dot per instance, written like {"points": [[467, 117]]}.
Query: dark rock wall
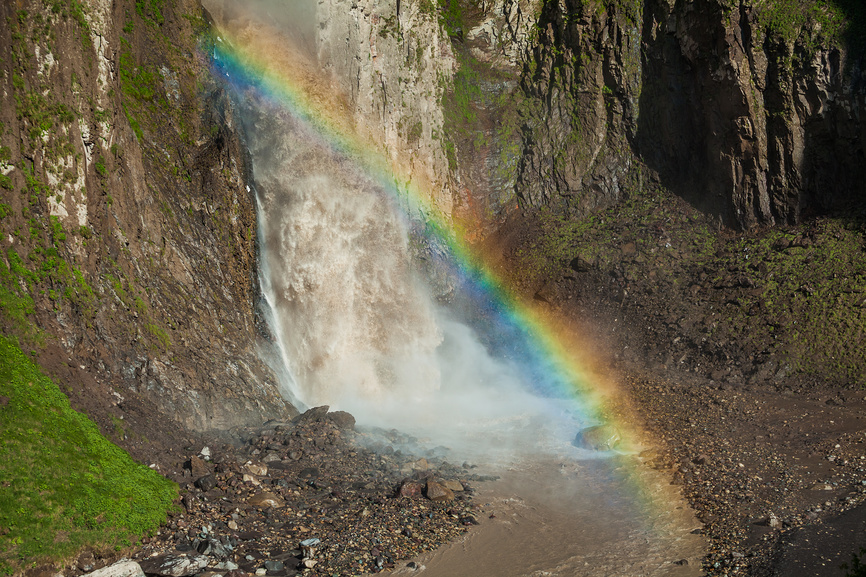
{"points": [[127, 225], [582, 83], [746, 124]]}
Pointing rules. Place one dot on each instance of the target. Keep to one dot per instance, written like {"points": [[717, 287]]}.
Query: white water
{"points": [[356, 327]]}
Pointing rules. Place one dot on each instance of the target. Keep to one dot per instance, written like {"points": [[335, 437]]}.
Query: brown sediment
{"points": [[561, 517]]}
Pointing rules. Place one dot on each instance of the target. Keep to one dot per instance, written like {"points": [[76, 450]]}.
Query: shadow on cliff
{"points": [[745, 129]]}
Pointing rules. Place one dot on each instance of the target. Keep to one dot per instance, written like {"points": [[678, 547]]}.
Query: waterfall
{"points": [[355, 324], [350, 315]]}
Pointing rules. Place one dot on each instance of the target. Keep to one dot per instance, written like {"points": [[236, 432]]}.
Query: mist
{"points": [[355, 322]]}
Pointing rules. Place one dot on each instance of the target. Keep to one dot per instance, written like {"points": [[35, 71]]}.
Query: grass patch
{"points": [[64, 485], [820, 22]]}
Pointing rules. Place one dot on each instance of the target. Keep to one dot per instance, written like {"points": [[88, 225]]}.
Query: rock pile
{"points": [[304, 497]]}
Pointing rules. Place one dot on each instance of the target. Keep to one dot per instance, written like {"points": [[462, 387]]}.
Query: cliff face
{"points": [[128, 233], [391, 60], [751, 114], [751, 111]]}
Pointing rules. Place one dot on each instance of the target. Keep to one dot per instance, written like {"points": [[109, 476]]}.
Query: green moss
{"points": [[817, 22], [64, 485], [451, 17], [5, 182], [100, 166], [134, 124], [159, 334], [57, 233], [16, 304], [138, 82], [150, 10]]}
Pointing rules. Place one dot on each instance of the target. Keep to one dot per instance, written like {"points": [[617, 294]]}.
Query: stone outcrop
{"points": [[755, 125], [128, 232], [390, 59]]}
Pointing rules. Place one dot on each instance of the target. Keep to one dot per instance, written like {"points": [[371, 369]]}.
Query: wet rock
{"points": [[547, 293], [701, 460], [206, 483], [598, 438], [266, 500], [438, 493], [211, 548], [273, 566], [579, 264], [188, 502], [453, 485], [309, 473], [311, 415], [342, 420], [257, 470], [197, 467], [171, 565], [86, 561], [123, 568], [410, 489]]}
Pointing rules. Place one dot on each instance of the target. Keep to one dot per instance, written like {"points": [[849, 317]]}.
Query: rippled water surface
{"points": [[570, 519]]}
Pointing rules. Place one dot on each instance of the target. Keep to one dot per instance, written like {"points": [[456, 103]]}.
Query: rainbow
{"points": [[543, 348]]}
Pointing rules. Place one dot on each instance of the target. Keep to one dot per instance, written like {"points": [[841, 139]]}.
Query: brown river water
{"points": [[570, 519]]}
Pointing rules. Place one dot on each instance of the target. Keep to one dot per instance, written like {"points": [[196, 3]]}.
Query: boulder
{"points": [[123, 568], [311, 415], [410, 489], [266, 500], [198, 467], [206, 483], [171, 565], [437, 493], [342, 420], [598, 438]]}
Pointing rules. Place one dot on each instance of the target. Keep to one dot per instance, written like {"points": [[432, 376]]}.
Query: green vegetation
{"points": [[814, 289], [16, 304], [150, 11], [819, 22], [64, 485], [856, 569], [797, 295], [451, 18], [100, 166], [41, 269], [137, 82]]}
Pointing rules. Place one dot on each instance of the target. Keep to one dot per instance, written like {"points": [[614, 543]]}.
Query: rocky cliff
{"points": [[751, 111], [129, 235]]}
